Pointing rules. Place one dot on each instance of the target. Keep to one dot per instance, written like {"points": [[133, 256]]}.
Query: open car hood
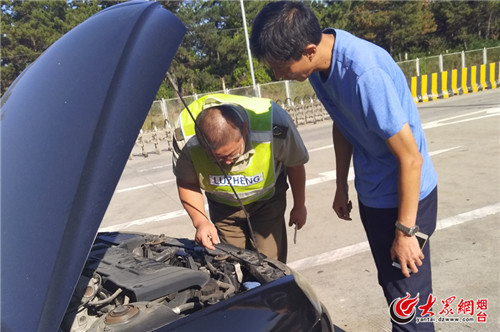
{"points": [[68, 125]]}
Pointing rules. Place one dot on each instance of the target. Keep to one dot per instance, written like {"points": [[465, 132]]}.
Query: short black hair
{"points": [[282, 30]]}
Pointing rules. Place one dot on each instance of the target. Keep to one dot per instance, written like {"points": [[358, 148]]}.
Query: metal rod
{"points": [[255, 91]]}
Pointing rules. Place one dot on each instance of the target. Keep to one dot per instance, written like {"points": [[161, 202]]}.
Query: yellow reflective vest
{"points": [[256, 181]]}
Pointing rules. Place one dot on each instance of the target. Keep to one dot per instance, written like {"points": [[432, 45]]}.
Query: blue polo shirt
{"points": [[367, 96]]}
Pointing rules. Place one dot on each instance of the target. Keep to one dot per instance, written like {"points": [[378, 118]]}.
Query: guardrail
{"points": [[308, 109], [448, 83], [154, 141], [303, 110]]}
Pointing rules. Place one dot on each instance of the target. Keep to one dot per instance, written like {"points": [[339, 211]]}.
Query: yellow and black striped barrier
{"points": [[455, 82]]}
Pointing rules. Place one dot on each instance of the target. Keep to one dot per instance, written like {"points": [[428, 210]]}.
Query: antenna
{"points": [[205, 141]]}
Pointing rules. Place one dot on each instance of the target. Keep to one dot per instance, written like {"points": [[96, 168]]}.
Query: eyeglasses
{"points": [[231, 157]]}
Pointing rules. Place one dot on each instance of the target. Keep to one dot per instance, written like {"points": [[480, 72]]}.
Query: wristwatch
{"points": [[410, 231]]}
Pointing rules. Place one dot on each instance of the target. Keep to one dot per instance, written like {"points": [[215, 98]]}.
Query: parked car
{"points": [[68, 125]]}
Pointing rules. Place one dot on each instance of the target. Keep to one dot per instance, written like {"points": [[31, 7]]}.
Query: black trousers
{"points": [[380, 231]]}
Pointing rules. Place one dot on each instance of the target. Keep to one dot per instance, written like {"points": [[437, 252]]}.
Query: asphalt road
{"points": [[463, 134]]}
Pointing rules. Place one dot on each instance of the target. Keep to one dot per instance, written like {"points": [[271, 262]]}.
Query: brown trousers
{"points": [[267, 218]]}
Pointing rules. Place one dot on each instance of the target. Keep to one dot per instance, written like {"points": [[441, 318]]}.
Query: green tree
{"points": [[397, 26], [488, 16], [29, 27], [78, 11], [334, 14], [451, 19], [465, 23], [213, 53], [27, 30]]}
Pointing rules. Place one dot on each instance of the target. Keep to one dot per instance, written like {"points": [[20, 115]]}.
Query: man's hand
{"points": [[298, 216], [206, 235], [408, 252], [342, 205]]}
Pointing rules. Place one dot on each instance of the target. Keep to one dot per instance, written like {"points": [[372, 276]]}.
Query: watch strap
{"points": [[410, 231]]}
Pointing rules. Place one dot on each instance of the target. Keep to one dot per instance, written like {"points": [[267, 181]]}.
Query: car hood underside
{"points": [[69, 123]]}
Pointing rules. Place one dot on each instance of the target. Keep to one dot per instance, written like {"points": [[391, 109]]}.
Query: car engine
{"points": [[132, 280]]}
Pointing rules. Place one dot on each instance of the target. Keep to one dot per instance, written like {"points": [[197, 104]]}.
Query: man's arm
{"points": [[192, 201], [343, 153], [404, 147], [297, 179]]}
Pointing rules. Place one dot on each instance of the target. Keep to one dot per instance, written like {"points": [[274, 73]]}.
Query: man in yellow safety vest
{"points": [[249, 144]]}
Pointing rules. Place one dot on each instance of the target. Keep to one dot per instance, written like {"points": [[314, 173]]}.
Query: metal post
{"points": [[440, 62], [463, 59], [248, 47], [287, 91], [417, 64], [485, 56], [164, 109]]}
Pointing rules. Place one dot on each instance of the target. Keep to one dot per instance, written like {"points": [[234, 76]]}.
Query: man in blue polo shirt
{"points": [[376, 123]]}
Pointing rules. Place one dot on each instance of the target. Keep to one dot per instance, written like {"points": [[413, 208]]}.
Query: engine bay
{"points": [[132, 280]]}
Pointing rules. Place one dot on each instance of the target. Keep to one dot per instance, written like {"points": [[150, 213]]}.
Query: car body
{"points": [[68, 125]]}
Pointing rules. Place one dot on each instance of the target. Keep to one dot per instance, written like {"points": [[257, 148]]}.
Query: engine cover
{"points": [[145, 277]]}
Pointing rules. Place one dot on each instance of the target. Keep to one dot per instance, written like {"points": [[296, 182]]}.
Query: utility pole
{"points": [[248, 49]]}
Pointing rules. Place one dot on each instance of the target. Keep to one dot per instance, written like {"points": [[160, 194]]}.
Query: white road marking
{"points": [[332, 255], [468, 216], [345, 252], [348, 251], [321, 148], [443, 151], [143, 186], [488, 112], [329, 176], [143, 221], [153, 168], [324, 177]]}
